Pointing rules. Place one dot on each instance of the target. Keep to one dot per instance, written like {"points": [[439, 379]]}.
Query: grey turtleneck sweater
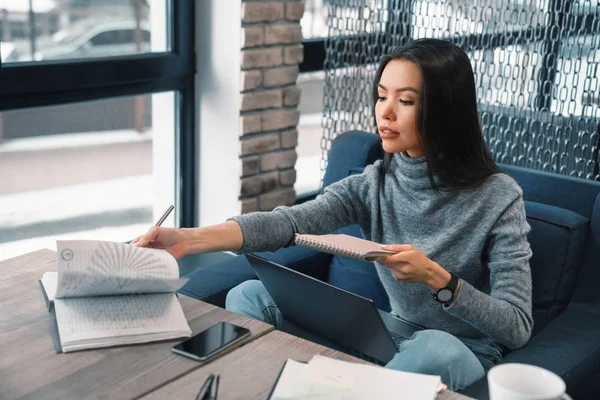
{"points": [[479, 234]]}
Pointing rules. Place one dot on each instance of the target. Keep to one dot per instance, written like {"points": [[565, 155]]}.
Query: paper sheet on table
{"points": [[326, 378]]}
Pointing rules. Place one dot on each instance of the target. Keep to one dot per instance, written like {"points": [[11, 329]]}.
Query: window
{"points": [[536, 65], [64, 30], [314, 30], [310, 133], [314, 19], [78, 136], [112, 37], [83, 171]]}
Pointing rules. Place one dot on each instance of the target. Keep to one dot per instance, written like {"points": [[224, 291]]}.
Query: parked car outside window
{"points": [[86, 39]]}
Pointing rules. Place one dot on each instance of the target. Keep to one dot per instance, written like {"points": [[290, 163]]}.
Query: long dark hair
{"points": [[447, 120]]}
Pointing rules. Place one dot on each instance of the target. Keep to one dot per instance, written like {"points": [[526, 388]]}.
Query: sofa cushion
{"points": [[349, 150], [557, 241]]}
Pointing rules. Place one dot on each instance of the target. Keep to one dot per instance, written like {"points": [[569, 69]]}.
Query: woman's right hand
{"points": [[180, 242], [173, 240]]}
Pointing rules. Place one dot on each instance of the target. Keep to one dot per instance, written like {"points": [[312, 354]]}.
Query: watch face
{"points": [[444, 295]]}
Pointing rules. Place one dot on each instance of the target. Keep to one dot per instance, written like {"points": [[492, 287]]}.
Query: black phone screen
{"points": [[211, 340]]}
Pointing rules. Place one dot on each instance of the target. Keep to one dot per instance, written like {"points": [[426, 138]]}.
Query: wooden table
{"points": [[244, 376], [29, 367]]}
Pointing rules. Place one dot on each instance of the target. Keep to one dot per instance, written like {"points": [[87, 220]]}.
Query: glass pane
{"points": [[576, 89], [310, 132], [508, 76], [314, 20], [71, 29], [101, 170], [432, 18], [349, 17]]}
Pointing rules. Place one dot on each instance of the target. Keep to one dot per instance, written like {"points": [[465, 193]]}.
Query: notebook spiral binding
{"points": [[329, 248]]}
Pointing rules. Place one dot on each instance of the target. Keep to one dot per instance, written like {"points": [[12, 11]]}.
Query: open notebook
{"points": [[343, 245], [106, 294], [327, 378]]}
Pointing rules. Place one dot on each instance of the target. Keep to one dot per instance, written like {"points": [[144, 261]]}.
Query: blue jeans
{"points": [[459, 361]]}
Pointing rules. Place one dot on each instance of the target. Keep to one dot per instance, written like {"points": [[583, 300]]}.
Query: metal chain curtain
{"points": [[536, 67]]}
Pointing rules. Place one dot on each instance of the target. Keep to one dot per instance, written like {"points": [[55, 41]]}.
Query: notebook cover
{"points": [[53, 323], [49, 304], [54, 332]]}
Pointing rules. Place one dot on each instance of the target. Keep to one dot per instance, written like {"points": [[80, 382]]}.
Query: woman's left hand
{"points": [[411, 265]]}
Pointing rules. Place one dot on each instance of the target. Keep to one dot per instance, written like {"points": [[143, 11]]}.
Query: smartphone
{"points": [[211, 341]]}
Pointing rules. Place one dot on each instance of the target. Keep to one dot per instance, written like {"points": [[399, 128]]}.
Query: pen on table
{"points": [[208, 391], [164, 216]]}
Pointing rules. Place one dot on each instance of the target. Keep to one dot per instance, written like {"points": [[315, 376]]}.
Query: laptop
{"points": [[343, 317]]}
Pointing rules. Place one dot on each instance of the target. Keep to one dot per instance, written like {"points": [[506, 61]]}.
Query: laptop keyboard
{"points": [[397, 339]]}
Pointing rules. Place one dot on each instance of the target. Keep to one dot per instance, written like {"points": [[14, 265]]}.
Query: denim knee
{"points": [[438, 348], [436, 352], [250, 298]]}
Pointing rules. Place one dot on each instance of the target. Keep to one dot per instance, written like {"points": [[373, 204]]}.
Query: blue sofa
{"points": [[564, 214]]}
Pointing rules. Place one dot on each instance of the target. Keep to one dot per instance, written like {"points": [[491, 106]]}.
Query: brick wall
{"points": [[271, 52]]}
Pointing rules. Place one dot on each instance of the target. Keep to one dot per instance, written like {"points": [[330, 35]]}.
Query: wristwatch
{"points": [[445, 294]]}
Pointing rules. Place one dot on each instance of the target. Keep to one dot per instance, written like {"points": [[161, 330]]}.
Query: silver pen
{"points": [[164, 216]]}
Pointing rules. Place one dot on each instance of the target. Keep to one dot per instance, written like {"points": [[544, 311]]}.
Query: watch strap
{"points": [[451, 286]]}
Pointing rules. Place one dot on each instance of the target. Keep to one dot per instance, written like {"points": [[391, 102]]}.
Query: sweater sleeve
{"points": [[341, 204], [506, 313]]}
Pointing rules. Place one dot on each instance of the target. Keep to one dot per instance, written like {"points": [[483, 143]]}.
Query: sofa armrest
{"points": [[569, 346], [211, 283]]}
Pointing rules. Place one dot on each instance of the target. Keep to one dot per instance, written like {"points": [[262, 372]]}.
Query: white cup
{"points": [[513, 381]]}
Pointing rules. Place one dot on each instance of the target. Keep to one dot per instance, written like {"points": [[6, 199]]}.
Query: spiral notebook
{"points": [[343, 245]]}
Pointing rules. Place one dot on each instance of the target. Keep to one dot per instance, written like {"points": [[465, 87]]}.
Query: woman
{"points": [[455, 220]]}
